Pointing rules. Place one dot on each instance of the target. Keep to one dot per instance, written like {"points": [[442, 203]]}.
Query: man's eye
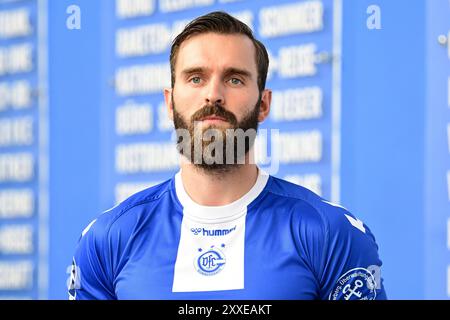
{"points": [[195, 80], [235, 81]]}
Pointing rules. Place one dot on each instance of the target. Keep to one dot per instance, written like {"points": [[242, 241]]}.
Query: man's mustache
{"points": [[214, 110]]}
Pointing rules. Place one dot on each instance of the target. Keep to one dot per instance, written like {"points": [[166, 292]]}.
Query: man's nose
{"points": [[215, 92]]}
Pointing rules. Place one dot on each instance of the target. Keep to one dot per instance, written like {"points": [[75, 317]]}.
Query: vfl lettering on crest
{"points": [[210, 262]]}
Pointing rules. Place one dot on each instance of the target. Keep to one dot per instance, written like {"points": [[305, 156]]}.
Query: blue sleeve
{"points": [[351, 267], [91, 277]]}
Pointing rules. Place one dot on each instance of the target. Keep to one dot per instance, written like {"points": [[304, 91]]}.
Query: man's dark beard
{"points": [[250, 121]]}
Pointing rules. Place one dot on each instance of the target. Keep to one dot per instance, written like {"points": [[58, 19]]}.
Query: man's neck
{"points": [[212, 190]]}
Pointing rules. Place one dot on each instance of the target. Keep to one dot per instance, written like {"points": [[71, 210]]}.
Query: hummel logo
{"points": [[213, 232]]}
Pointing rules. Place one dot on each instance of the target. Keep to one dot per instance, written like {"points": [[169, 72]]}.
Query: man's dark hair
{"points": [[222, 23]]}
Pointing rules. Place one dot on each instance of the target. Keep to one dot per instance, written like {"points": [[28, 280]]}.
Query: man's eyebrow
{"points": [[189, 71], [238, 71], [229, 71]]}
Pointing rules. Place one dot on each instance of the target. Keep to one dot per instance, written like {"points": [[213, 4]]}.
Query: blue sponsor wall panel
{"points": [[383, 137], [75, 99], [362, 113], [23, 146], [437, 151]]}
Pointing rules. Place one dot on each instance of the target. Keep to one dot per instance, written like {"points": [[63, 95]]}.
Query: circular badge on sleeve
{"points": [[355, 284]]}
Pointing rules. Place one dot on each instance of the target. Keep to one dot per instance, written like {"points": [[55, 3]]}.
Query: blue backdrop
{"points": [[370, 110]]}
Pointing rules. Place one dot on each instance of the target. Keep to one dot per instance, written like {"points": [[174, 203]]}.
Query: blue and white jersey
{"points": [[279, 241]]}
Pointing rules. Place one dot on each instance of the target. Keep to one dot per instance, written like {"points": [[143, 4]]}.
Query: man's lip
{"points": [[213, 118]]}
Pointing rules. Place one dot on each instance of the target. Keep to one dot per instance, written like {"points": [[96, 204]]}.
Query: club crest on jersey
{"points": [[210, 262], [355, 284]]}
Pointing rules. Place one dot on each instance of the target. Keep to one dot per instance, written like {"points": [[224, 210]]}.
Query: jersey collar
{"points": [[215, 214]]}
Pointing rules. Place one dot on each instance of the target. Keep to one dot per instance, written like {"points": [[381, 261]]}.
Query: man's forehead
{"points": [[213, 50]]}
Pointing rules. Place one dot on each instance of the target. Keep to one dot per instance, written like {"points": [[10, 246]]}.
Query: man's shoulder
{"points": [[284, 188], [145, 196], [315, 216], [126, 213], [294, 194], [311, 205]]}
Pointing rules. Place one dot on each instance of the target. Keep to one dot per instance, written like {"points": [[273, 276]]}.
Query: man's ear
{"points": [[169, 102], [266, 100]]}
